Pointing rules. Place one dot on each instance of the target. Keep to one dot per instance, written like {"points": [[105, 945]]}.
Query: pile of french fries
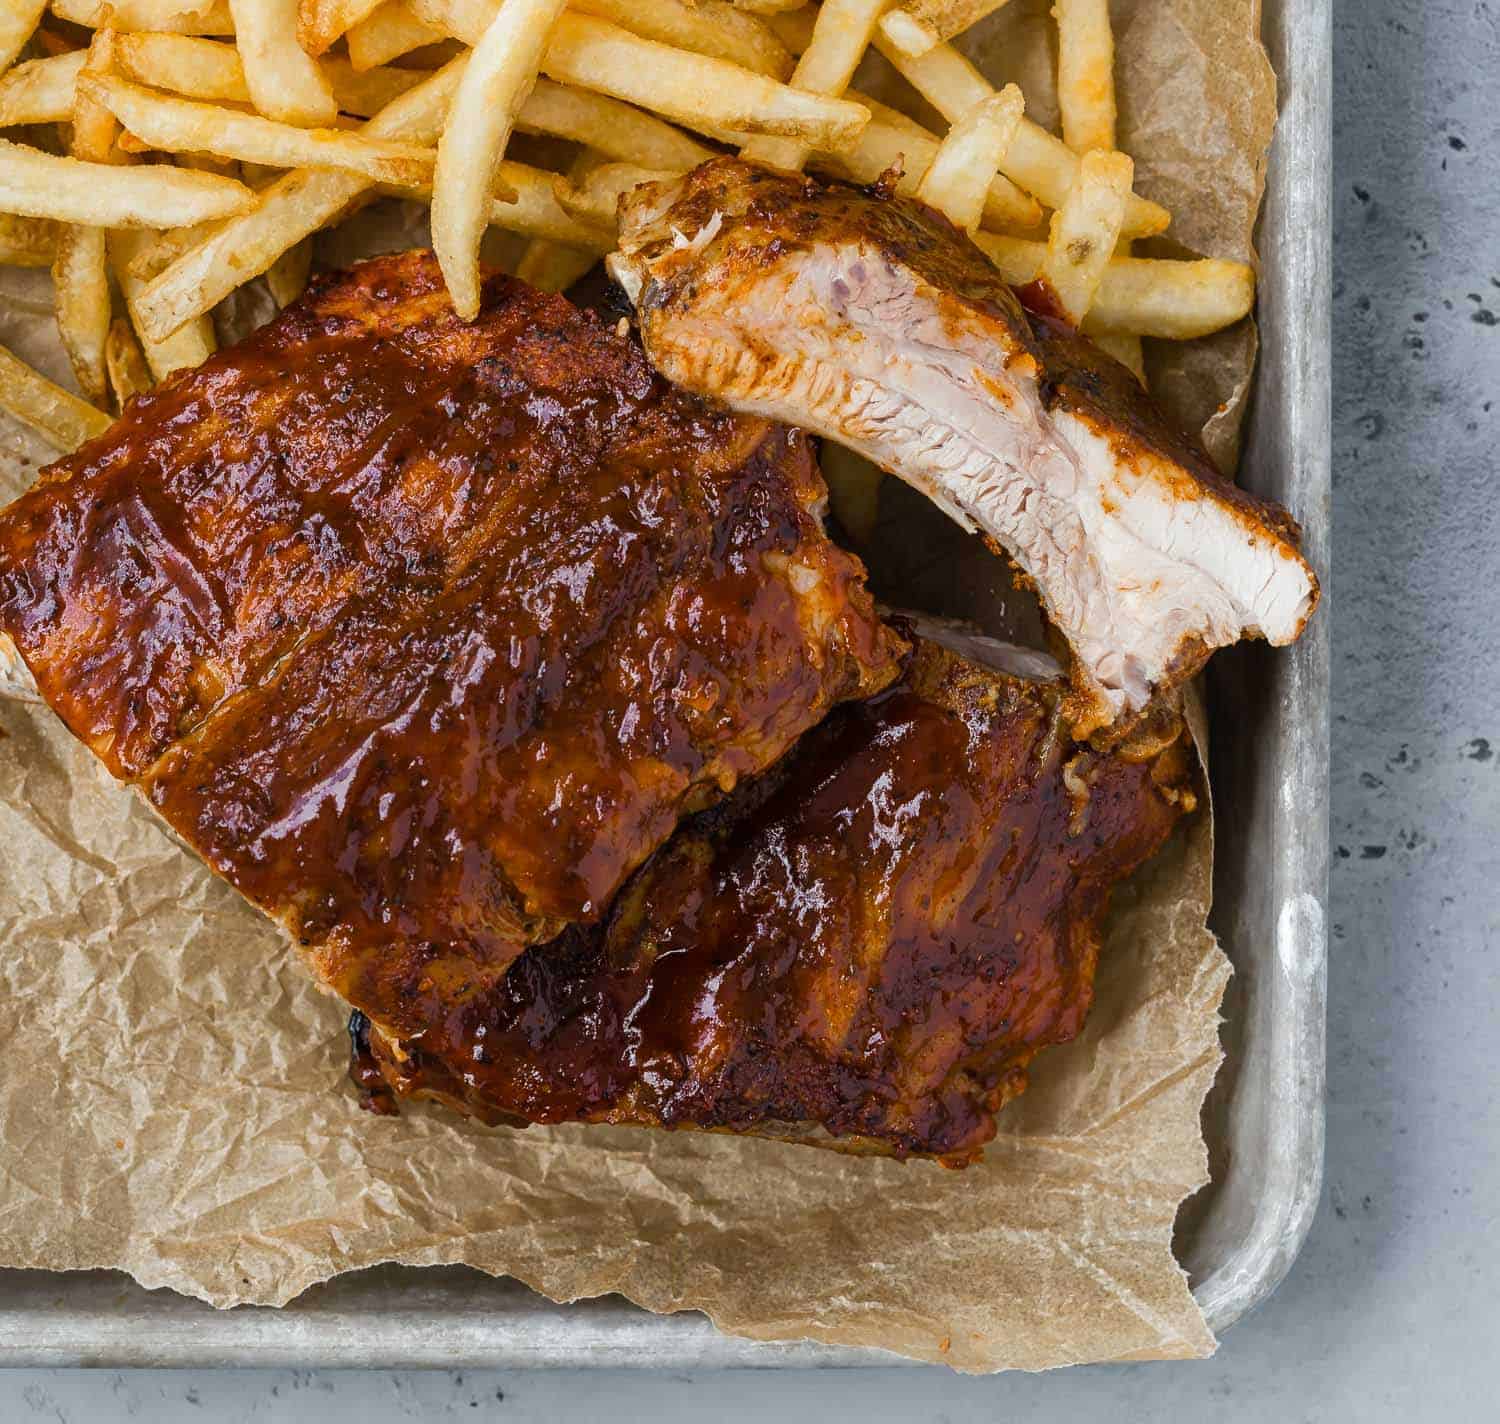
{"points": [[163, 153]]}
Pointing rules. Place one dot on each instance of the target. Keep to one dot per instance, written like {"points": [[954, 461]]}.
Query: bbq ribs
{"points": [[424, 634], [864, 947], [875, 321]]}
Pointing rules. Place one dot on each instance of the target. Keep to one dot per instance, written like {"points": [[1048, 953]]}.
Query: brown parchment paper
{"points": [[171, 1091]]}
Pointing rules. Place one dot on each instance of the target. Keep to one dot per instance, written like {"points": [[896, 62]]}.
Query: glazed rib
{"points": [[426, 633], [874, 321], [864, 947]]}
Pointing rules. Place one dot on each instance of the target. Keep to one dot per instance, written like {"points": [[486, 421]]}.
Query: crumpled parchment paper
{"points": [[172, 1100]]}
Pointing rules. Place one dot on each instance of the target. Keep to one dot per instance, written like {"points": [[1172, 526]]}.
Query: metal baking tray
{"points": [[1264, 1119]]}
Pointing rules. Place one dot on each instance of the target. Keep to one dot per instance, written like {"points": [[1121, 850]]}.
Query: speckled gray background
{"points": [[1393, 1311]]}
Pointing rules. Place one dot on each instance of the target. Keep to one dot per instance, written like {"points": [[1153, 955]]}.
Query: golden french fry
{"points": [[1146, 296], [1041, 163], [185, 64], [178, 17], [892, 140], [531, 208], [41, 90], [694, 89], [551, 267], [129, 376], [206, 163], [535, 211], [182, 125], [80, 287], [321, 22], [149, 257], [59, 417], [711, 27], [191, 344], [18, 19], [284, 80], [80, 271], [1086, 96], [1085, 73], [1084, 232], [287, 276], [853, 490], [768, 7], [365, 92], [206, 69], [958, 180], [502, 66], [924, 23], [1125, 348], [27, 242], [595, 198], [387, 33], [840, 37], [614, 129], [294, 206]]}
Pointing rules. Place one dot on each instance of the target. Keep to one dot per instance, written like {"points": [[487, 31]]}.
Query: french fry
{"points": [[189, 345], [595, 198], [206, 69], [768, 7], [178, 17], [27, 242], [1041, 163], [1124, 347], [287, 276], [531, 208], [294, 206], [1085, 73], [840, 38], [321, 22], [41, 90], [80, 271], [150, 256], [1145, 296], [502, 66], [1086, 96], [920, 24], [1084, 232], [892, 140], [387, 33], [58, 416], [711, 27], [366, 92], [958, 179], [80, 286], [853, 490], [129, 376], [614, 129], [18, 20], [284, 80], [551, 267], [182, 125], [694, 89]]}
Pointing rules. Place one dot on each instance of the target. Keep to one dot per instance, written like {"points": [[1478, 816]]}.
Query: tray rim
{"points": [[102, 1318]]}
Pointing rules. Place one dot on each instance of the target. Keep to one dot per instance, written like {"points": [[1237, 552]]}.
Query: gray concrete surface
{"points": [[1393, 1312]]}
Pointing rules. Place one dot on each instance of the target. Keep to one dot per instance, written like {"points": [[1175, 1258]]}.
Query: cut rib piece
{"points": [[874, 321], [863, 948], [427, 633]]}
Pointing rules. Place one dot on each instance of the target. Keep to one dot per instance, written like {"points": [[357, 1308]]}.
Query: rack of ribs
{"points": [[864, 947], [874, 321], [425, 634]]}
